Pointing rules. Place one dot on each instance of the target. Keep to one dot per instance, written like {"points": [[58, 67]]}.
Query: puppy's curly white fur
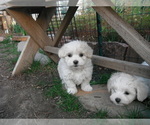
{"points": [[75, 66], [125, 88]]}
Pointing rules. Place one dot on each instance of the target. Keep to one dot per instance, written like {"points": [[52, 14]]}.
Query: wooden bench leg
{"points": [[126, 31], [27, 55], [42, 41]]}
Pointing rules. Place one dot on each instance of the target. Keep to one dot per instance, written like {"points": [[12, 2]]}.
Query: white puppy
{"points": [[75, 66], [125, 88]]}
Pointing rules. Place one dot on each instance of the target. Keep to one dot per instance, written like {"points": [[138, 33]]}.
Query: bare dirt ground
{"points": [[21, 98]]}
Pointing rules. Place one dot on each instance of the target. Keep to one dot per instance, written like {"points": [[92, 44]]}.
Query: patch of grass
{"points": [[6, 40], [33, 68], [147, 102], [102, 80], [36, 66], [10, 50], [18, 29], [65, 101], [14, 60], [7, 46], [134, 113], [42, 83], [51, 65], [8, 43], [103, 113]]}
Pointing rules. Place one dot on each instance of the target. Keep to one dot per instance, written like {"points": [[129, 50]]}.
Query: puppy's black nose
{"points": [[75, 62], [118, 100]]}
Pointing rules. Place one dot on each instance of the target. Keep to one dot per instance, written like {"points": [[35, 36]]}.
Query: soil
{"points": [[20, 97]]}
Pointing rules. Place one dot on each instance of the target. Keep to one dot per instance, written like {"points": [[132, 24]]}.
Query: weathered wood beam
{"points": [[123, 66], [28, 53], [50, 49], [26, 57], [126, 31], [20, 38], [31, 26]]}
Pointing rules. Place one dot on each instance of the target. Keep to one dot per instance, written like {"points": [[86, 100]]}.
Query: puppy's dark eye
{"points": [[81, 54], [69, 55], [126, 93]]}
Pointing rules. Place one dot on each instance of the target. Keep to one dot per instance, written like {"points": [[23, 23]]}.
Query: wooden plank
{"points": [[123, 66], [66, 21], [44, 3], [23, 3], [20, 38], [103, 3], [35, 3], [50, 49], [27, 55], [126, 31], [43, 20]]}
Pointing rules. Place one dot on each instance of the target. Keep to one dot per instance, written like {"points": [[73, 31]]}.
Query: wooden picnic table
{"points": [[21, 11]]}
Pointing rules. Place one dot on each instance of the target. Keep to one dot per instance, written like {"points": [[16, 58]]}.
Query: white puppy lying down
{"points": [[75, 66], [125, 88]]}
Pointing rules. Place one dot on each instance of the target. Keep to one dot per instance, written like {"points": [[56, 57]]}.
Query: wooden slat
{"points": [[27, 3], [50, 49], [124, 66], [126, 31], [27, 55], [20, 38], [102, 3]]}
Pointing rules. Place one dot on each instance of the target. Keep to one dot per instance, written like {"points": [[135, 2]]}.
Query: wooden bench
{"points": [[39, 39]]}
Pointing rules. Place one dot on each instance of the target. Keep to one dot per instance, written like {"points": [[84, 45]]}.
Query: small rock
{"points": [[43, 59]]}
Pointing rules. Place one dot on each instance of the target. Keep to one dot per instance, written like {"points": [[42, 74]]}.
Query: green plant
{"points": [[136, 16], [7, 40], [35, 66], [65, 101], [9, 47], [18, 29], [136, 112], [102, 79], [102, 113], [10, 51]]}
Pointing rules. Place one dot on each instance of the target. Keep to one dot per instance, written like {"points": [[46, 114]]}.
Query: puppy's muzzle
{"points": [[75, 63], [118, 100]]}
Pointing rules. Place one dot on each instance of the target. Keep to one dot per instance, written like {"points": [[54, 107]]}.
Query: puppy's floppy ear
{"points": [[142, 90], [62, 52], [109, 84], [88, 51]]}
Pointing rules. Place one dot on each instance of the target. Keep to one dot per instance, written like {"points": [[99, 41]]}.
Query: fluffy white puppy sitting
{"points": [[75, 66], [125, 88]]}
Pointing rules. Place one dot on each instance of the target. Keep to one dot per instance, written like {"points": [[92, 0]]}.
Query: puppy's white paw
{"points": [[72, 90], [87, 88]]}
